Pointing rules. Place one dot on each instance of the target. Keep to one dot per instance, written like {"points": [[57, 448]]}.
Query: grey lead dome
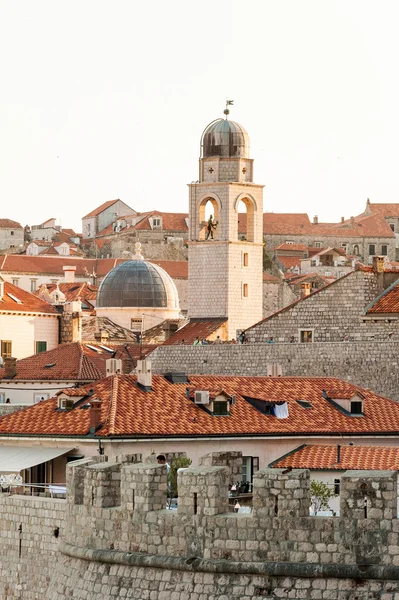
{"points": [[226, 139], [134, 283]]}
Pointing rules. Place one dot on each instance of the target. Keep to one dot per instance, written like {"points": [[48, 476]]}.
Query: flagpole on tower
{"points": [[226, 110]]}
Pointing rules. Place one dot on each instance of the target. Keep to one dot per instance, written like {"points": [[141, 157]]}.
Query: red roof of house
{"points": [[389, 209], [201, 328], [387, 302], [289, 262], [267, 278], [48, 265], [70, 362], [128, 411], [170, 222], [78, 290], [292, 247], [100, 208], [9, 224], [15, 299], [351, 458]]}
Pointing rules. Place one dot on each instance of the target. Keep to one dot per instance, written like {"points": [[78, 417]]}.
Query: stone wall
{"points": [[333, 313], [121, 543], [370, 364], [113, 538]]}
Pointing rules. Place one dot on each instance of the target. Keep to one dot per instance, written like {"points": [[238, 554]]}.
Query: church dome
{"points": [[226, 139], [138, 284]]}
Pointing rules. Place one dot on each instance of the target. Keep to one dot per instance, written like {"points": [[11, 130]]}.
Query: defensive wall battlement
{"points": [[113, 538], [121, 506]]}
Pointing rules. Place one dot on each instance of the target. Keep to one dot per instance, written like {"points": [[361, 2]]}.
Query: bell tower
{"points": [[225, 252]]}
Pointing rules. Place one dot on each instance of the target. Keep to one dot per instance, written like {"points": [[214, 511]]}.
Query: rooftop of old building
{"points": [[166, 409]]}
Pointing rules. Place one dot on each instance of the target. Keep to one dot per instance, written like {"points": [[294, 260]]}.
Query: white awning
{"points": [[16, 458]]}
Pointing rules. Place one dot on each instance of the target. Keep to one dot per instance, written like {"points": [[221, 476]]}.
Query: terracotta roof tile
{"points": [[351, 458], [27, 302], [292, 247], [289, 262], [70, 362], [9, 224], [201, 328], [127, 411], [387, 302]]}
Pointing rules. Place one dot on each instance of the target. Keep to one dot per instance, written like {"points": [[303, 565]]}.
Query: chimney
{"points": [[1, 288], [315, 220], [144, 374], [127, 366], [71, 323], [342, 219], [353, 221], [101, 336], [69, 274], [10, 367], [338, 453], [378, 269], [95, 415], [305, 289]]}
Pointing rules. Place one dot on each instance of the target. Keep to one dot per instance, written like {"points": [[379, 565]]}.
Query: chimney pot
{"points": [[342, 219], [69, 273], [352, 221], [95, 414], [144, 374], [315, 220]]}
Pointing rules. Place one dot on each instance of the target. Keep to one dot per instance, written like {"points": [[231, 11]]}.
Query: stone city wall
{"points": [[370, 364], [113, 538], [120, 541]]}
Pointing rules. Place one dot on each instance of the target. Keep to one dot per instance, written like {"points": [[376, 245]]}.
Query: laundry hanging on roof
{"points": [[281, 410]]}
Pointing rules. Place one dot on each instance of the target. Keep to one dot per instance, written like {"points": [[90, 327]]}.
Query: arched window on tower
{"points": [[245, 220], [208, 219]]}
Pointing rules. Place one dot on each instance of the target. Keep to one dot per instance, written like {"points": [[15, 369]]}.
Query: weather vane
{"points": [[226, 110]]}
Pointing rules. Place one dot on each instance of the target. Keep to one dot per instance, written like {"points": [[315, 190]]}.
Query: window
{"points": [[289, 242], [37, 397], [344, 246], [392, 226], [250, 464], [12, 245], [245, 259], [33, 285], [220, 407], [6, 348], [327, 273], [11, 233], [337, 486], [384, 250], [156, 223], [305, 335], [41, 347], [2, 397], [318, 244], [15, 282], [371, 249], [356, 408], [356, 250], [245, 290], [135, 324]]}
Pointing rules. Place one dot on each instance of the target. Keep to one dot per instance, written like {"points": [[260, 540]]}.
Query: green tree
{"points": [[321, 493], [181, 462]]}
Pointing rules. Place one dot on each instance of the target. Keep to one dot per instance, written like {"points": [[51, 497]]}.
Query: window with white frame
{"points": [[318, 244], [39, 397]]}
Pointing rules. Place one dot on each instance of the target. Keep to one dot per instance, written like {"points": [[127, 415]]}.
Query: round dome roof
{"points": [[226, 139], [137, 283]]}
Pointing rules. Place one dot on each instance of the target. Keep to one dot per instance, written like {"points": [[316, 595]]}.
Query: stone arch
{"points": [[246, 227], [202, 219]]}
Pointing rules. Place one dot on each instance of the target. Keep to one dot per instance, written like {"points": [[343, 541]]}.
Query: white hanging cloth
{"points": [[281, 410]]}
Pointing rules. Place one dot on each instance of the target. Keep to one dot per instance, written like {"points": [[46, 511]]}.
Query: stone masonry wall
{"points": [[113, 538], [121, 543], [370, 364]]}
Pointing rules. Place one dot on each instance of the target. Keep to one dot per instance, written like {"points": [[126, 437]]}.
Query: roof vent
{"points": [[201, 397], [49, 365], [176, 377], [304, 403]]}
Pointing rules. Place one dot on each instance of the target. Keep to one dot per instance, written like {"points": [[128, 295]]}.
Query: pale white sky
{"points": [[108, 99]]}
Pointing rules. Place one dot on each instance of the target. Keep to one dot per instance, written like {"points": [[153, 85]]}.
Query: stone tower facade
{"points": [[225, 273]]}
